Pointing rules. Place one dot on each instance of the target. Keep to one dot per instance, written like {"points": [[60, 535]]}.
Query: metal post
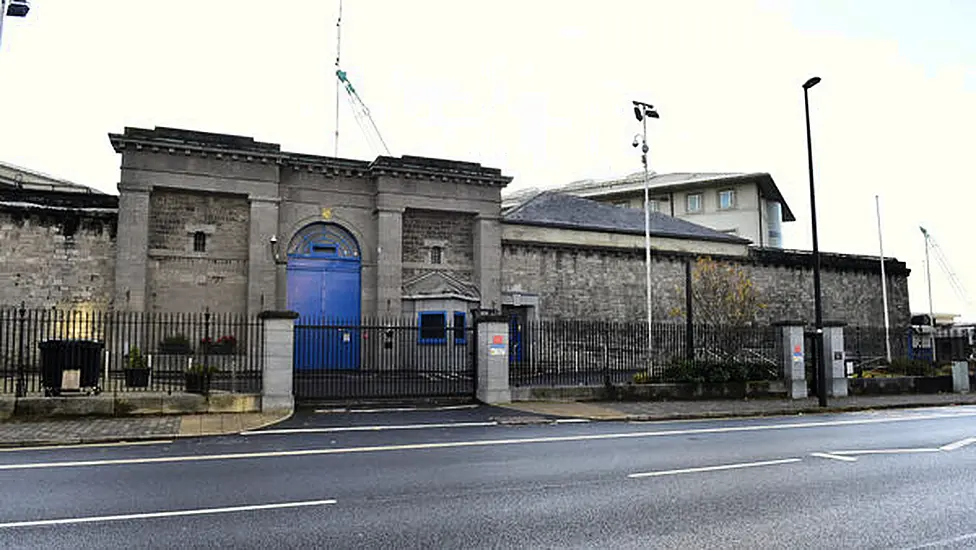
{"points": [[3, 13], [689, 324], [884, 283], [817, 305], [928, 280], [647, 248], [21, 382]]}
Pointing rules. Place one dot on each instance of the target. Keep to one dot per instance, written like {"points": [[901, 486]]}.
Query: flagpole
{"points": [[884, 281]]}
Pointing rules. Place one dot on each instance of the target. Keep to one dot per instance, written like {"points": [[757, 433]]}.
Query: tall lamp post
{"points": [[644, 111], [817, 305]]}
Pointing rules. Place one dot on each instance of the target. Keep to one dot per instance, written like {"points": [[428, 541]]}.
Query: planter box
{"points": [[136, 378], [197, 383]]}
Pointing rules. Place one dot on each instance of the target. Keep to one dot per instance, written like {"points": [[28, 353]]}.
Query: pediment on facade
{"points": [[439, 285]]}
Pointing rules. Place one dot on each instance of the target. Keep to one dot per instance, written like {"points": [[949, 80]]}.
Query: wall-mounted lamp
{"points": [[273, 241]]}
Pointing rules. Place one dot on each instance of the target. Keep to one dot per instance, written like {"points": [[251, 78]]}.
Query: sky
{"points": [[541, 89]]}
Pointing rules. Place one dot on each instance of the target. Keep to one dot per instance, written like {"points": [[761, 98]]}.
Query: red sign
{"points": [[498, 339], [797, 349]]}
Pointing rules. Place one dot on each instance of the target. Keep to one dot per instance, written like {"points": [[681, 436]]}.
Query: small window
{"points": [[433, 327], [726, 199], [460, 334], [694, 203], [199, 241], [436, 254]]}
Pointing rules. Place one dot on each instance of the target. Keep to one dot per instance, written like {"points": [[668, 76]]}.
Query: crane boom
{"points": [[946, 267], [363, 117]]}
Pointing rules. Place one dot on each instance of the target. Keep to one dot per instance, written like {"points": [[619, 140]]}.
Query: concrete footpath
{"points": [[99, 429], [67, 431], [636, 411]]}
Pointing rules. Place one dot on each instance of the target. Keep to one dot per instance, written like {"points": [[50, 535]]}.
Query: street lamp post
{"points": [[643, 111], [817, 305]]}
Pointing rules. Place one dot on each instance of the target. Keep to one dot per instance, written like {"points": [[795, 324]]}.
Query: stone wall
{"points": [[57, 257], [590, 283], [183, 279], [453, 232]]}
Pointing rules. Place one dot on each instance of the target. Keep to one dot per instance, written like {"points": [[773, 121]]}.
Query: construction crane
{"points": [[363, 117], [932, 246], [359, 110]]}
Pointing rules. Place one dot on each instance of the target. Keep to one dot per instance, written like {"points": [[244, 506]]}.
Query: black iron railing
{"points": [[571, 352], [128, 351]]}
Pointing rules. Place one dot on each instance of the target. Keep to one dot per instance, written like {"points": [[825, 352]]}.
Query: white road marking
{"points": [[372, 428], [572, 420], [398, 409], [84, 446], [958, 444], [177, 513], [457, 444], [946, 542], [715, 468], [885, 451], [834, 457]]}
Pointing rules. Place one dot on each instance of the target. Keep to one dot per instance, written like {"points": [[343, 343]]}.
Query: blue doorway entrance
{"points": [[324, 266]]}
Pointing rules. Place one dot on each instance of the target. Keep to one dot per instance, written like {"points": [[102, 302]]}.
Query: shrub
{"points": [[711, 372]]}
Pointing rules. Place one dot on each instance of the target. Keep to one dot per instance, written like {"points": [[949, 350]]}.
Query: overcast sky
{"points": [[542, 90]]}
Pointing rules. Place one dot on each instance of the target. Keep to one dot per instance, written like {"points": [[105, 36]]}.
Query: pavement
{"points": [[17, 432]]}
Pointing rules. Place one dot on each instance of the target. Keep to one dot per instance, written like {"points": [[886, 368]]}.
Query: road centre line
{"points": [[153, 515], [456, 444], [834, 457], [85, 446], [958, 444], [371, 428], [715, 468]]}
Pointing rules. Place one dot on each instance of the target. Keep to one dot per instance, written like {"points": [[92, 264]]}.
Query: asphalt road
{"points": [[893, 479]]}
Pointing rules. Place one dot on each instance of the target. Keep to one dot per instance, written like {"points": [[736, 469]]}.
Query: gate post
{"points": [[492, 363], [278, 365], [834, 357], [793, 361]]}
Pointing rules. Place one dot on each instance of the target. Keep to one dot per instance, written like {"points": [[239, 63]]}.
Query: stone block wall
{"points": [[453, 232], [591, 283], [57, 258], [182, 279]]}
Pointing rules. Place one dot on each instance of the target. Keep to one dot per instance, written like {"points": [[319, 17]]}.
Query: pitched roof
{"points": [[555, 209], [437, 284], [18, 177], [661, 182]]}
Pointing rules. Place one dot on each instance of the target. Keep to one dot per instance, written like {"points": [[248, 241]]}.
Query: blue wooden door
{"points": [[324, 289]]}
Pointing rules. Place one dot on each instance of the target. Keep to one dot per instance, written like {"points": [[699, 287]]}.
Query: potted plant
{"points": [[136, 370], [175, 345], [198, 377]]}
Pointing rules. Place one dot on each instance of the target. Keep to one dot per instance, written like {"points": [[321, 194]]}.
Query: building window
{"points": [[654, 205], [694, 202], [199, 241], [726, 199], [460, 333], [436, 254], [432, 327]]}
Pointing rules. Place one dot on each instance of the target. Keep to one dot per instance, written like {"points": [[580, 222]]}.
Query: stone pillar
{"points": [[488, 261], [960, 376], [793, 360], [834, 357], [389, 262], [279, 367], [492, 375], [261, 275], [132, 249]]}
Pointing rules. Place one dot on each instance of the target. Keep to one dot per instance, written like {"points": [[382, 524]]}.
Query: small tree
{"points": [[723, 296]]}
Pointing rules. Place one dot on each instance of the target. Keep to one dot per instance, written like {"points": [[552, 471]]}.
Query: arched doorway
{"points": [[324, 264]]}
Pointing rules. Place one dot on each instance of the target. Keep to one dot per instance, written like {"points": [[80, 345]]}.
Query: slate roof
{"points": [[25, 179], [660, 183], [554, 209]]}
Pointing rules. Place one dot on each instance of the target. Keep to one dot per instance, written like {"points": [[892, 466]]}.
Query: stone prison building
{"points": [[230, 224]]}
